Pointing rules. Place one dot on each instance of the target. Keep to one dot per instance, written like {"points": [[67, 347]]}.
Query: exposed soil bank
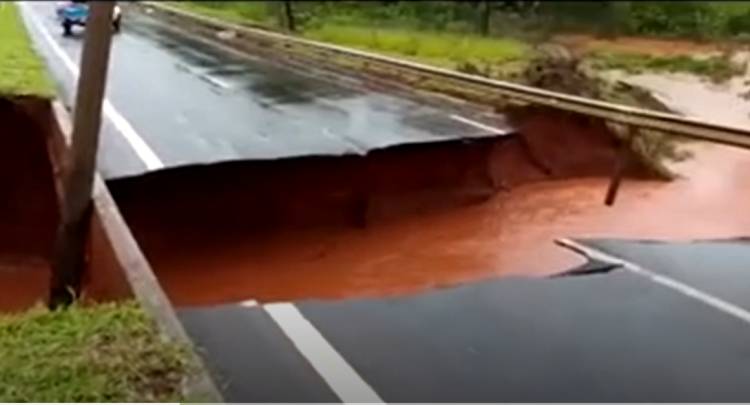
{"points": [[32, 159], [398, 220], [28, 204]]}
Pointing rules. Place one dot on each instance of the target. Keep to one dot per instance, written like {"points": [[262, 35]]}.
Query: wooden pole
{"points": [[621, 161], [69, 250]]}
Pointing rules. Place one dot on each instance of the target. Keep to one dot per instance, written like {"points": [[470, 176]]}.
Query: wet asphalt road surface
{"points": [[721, 268], [607, 337], [190, 103]]}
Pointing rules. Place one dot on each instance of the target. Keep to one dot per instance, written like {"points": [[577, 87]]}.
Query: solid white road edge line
{"points": [[704, 297], [249, 303], [340, 376], [348, 385], [141, 148], [330, 365], [476, 124]]}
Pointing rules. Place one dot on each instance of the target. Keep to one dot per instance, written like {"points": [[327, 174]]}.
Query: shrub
{"points": [[676, 18], [739, 24]]}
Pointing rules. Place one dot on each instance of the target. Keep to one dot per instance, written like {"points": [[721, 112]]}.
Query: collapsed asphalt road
{"points": [[173, 101], [612, 336], [609, 337]]}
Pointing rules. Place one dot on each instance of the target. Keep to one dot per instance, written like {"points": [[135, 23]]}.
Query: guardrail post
{"points": [[621, 161]]}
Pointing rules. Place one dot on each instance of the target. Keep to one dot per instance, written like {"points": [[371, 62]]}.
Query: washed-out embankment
{"points": [[346, 226], [28, 203], [32, 160]]}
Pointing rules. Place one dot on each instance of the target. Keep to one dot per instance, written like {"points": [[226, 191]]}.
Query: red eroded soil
{"points": [[28, 208], [399, 221]]}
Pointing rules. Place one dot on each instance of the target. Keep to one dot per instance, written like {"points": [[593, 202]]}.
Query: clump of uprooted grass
{"points": [[103, 353], [557, 69], [21, 71]]}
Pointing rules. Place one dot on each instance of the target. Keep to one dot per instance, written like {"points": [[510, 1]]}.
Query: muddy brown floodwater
{"points": [[333, 229]]}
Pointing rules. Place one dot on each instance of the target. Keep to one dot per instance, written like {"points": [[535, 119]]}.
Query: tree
{"points": [[486, 14], [289, 16], [70, 243]]}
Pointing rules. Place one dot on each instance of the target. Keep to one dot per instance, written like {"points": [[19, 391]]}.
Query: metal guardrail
{"points": [[617, 113]]}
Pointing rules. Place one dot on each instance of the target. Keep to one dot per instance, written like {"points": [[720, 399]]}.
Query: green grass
{"points": [[731, 7], [717, 68], [105, 353], [442, 49], [22, 73], [448, 50], [239, 12]]}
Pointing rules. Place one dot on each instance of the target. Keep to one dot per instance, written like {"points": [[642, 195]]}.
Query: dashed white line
{"points": [[479, 125], [216, 81], [141, 148], [704, 297], [330, 365], [249, 303], [340, 376], [354, 146]]}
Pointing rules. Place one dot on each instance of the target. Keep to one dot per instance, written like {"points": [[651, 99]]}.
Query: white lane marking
{"points": [[249, 303], [337, 373], [706, 298], [340, 376], [354, 147], [216, 81], [141, 148], [479, 125]]}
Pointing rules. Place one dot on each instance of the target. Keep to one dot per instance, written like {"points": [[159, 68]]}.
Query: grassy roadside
{"points": [[449, 50], [105, 353], [100, 353], [235, 12], [497, 57], [21, 71], [441, 49]]}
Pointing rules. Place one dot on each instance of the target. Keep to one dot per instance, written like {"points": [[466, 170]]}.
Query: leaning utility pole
{"points": [[70, 243]]}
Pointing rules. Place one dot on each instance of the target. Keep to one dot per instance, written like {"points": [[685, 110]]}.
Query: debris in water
{"points": [[591, 267]]}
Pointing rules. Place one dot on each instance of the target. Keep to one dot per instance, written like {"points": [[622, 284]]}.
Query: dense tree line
{"points": [[486, 17]]}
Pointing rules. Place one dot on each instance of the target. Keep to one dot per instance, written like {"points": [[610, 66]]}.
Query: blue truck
{"points": [[76, 13]]}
